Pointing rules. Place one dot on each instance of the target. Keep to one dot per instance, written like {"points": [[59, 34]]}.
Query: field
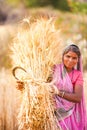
{"points": [[10, 100], [9, 95]]}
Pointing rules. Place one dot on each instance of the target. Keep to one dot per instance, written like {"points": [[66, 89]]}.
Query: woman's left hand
{"points": [[54, 89]]}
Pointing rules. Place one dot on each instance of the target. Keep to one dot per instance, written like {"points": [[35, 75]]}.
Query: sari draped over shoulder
{"points": [[70, 115], [64, 108]]}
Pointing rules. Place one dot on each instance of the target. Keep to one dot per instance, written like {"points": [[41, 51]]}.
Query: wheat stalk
{"points": [[36, 48]]}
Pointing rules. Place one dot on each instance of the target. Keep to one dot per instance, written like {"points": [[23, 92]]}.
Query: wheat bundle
{"points": [[36, 48]]}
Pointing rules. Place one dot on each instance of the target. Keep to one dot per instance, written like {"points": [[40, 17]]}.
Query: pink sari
{"points": [[75, 119]]}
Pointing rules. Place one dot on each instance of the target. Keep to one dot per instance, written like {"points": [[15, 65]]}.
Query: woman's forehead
{"points": [[71, 53]]}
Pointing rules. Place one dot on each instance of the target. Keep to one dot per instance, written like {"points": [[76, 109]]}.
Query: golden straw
{"points": [[36, 48]]}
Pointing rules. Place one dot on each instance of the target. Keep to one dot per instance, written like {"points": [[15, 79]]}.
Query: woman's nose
{"points": [[70, 59]]}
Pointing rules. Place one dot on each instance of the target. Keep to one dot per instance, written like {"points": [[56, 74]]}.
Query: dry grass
{"points": [[36, 48], [8, 101], [9, 96], [6, 35]]}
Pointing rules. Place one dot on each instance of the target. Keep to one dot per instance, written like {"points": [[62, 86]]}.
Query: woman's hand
{"points": [[54, 89], [20, 85]]}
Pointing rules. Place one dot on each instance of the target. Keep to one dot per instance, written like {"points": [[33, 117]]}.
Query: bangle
{"points": [[63, 93]]}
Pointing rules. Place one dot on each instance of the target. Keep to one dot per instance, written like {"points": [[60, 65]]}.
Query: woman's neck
{"points": [[69, 69]]}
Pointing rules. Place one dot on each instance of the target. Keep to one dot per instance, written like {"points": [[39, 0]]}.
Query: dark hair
{"points": [[73, 48]]}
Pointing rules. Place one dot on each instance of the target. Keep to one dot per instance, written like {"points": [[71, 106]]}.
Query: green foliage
{"points": [[13, 2], [38, 3], [79, 7], [31, 3], [63, 5], [60, 4]]}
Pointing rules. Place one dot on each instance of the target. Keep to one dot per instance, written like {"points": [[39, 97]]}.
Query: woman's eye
{"points": [[67, 56], [74, 58]]}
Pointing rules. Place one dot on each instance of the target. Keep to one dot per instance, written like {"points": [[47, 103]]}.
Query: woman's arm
{"points": [[76, 96]]}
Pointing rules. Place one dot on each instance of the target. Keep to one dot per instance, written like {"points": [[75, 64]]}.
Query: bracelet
{"points": [[63, 93]]}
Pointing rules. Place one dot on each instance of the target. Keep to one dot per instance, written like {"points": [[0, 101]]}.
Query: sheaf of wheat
{"points": [[37, 47]]}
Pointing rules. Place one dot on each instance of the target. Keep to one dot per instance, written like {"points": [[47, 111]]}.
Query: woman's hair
{"points": [[73, 48]]}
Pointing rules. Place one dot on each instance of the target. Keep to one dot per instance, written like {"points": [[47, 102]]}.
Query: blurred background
{"points": [[71, 18]]}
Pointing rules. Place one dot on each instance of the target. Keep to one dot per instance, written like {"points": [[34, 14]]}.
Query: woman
{"points": [[69, 99], [70, 106]]}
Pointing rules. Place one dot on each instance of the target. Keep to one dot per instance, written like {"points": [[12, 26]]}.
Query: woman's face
{"points": [[70, 59]]}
